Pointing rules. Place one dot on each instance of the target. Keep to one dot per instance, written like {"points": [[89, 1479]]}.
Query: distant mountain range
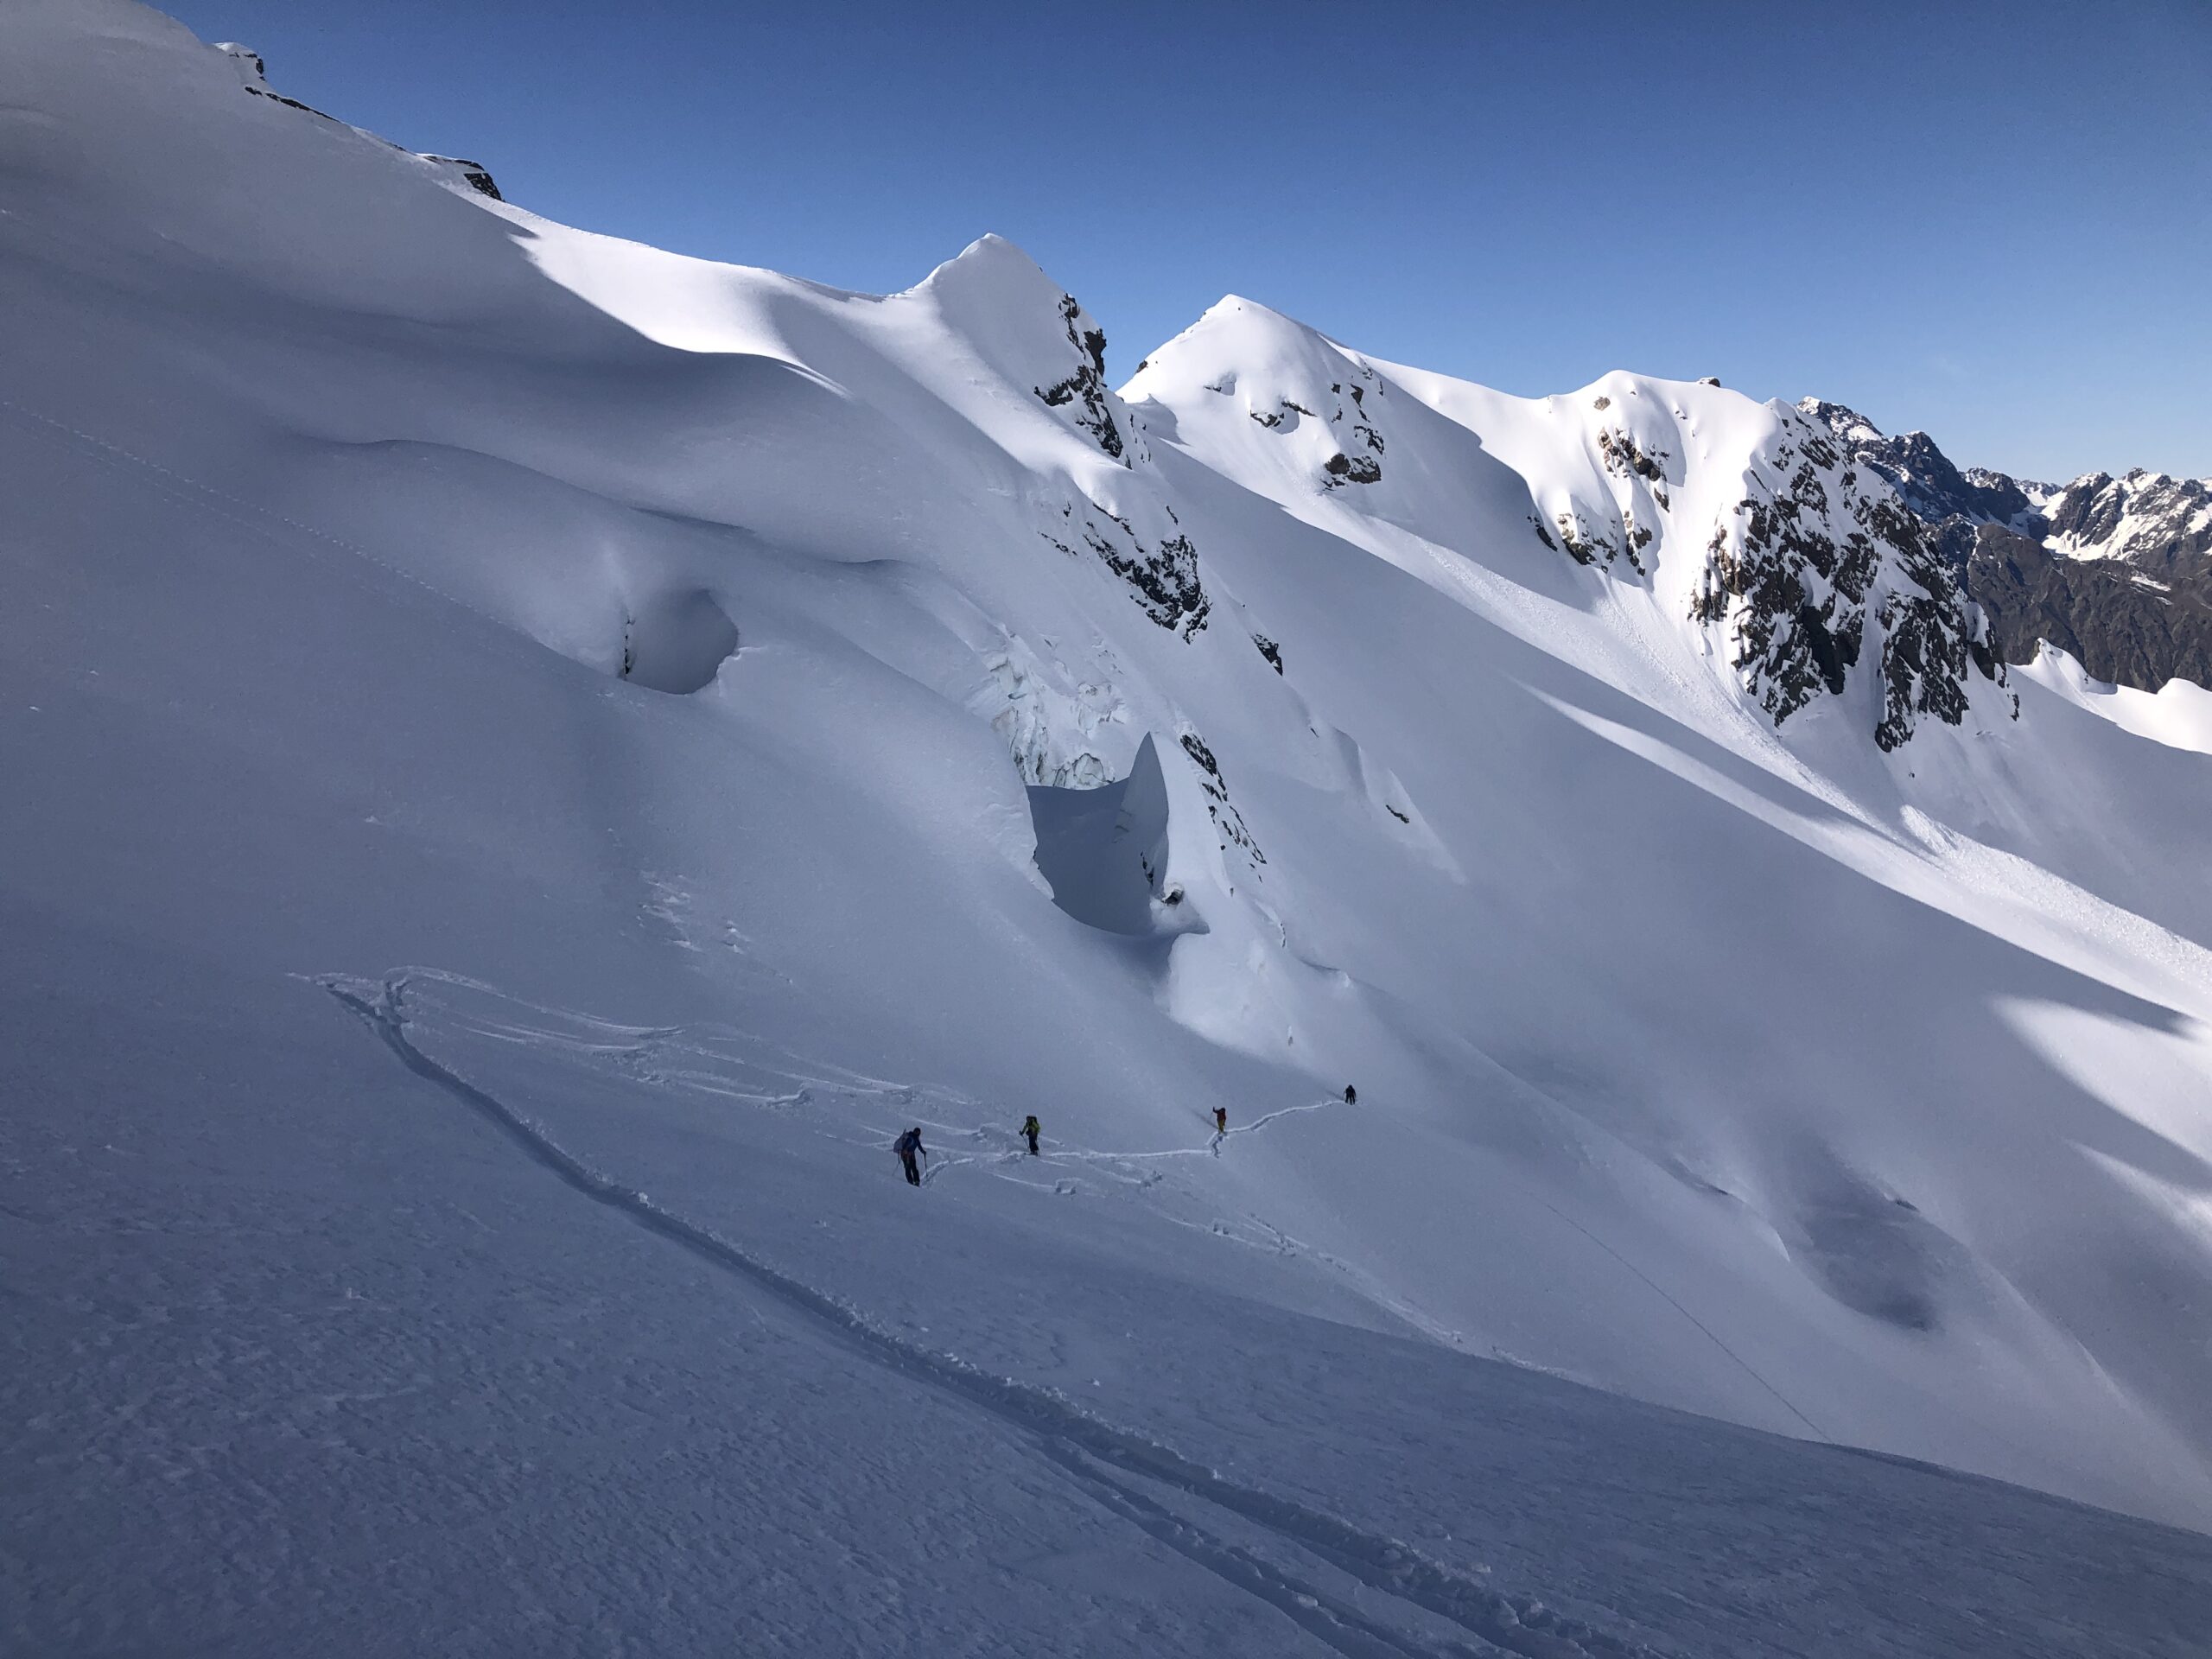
{"points": [[2117, 571]]}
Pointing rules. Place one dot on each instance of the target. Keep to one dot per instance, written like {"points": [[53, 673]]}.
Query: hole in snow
{"points": [[677, 642], [1103, 850]]}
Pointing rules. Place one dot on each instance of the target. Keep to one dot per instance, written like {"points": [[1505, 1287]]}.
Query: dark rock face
{"points": [[1623, 458], [2120, 624], [1086, 384], [2117, 572], [1798, 581], [1622, 519], [1813, 544], [1586, 544], [1360, 459], [1620, 455], [1936, 490], [1360, 424], [1352, 439], [1228, 821], [1948, 502], [288, 103], [1270, 649], [1350, 443], [1163, 578], [1929, 632], [473, 172]]}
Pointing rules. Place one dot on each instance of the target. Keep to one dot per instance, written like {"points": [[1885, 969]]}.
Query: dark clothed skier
{"points": [[1351, 1095], [1030, 1130], [909, 1148], [1221, 1120]]}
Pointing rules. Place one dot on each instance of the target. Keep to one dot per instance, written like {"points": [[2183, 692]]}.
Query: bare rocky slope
{"points": [[2116, 571]]}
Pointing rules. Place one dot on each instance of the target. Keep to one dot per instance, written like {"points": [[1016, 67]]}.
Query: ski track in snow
{"points": [[640, 1053], [1661, 1291], [1111, 1464], [1257, 1123]]}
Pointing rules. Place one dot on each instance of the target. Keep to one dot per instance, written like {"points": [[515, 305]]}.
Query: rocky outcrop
{"points": [[291, 103], [1031, 337], [1162, 573], [1084, 387], [2117, 571], [1359, 458], [1624, 458], [1589, 544], [1818, 550], [471, 173], [1228, 821], [1339, 425], [1949, 502], [1795, 599], [245, 58], [1932, 635]]}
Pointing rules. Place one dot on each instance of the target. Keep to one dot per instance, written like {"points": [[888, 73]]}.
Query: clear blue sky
{"points": [[1991, 221]]}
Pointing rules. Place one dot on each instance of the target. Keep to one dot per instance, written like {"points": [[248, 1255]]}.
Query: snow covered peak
{"points": [[1235, 337], [1031, 330], [1847, 423], [1742, 524], [2148, 518], [993, 270], [1288, 379]]}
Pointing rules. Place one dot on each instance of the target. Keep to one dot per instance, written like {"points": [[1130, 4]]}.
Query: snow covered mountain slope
{"points": [[532, 758], [1746, 520]]}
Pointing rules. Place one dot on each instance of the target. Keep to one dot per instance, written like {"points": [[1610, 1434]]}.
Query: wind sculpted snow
{"points": [[698, 668]]}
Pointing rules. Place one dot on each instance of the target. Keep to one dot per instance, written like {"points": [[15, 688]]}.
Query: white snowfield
{"points": [[2178, 713], [529, 761]]}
